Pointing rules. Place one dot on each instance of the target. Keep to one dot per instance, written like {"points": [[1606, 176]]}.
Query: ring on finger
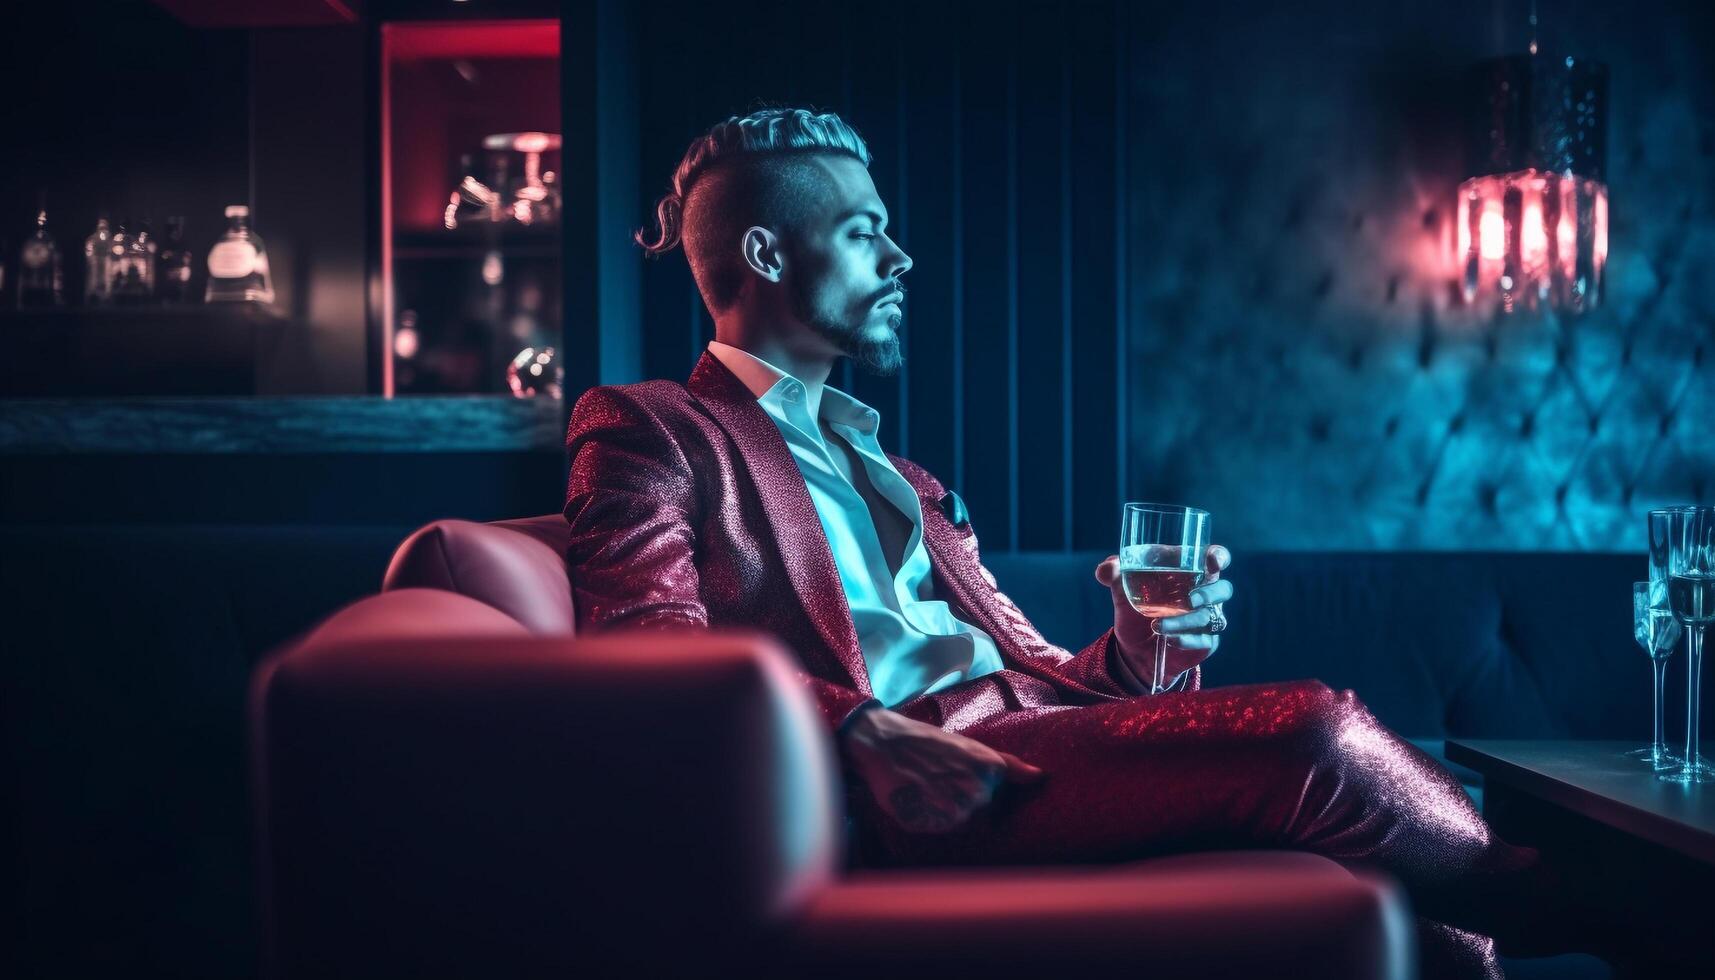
{"points": [[1217, 619]]}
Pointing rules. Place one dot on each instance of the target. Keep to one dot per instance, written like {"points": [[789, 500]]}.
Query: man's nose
{"points": [[900, 265]]}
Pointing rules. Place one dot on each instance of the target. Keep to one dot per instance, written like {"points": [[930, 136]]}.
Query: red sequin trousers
{"points": [[1292, 765]]}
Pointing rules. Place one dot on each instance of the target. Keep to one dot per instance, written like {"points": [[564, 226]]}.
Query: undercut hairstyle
{"points": [[750, 170]]}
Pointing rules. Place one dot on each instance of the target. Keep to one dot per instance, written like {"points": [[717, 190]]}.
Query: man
{"points": [[757, 495]]}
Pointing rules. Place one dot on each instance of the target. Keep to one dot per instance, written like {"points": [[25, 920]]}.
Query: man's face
{"points": [[841, 277]]}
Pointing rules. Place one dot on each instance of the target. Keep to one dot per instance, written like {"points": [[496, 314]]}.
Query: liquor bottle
{"points": [[97, 259], [116, 254], [173, 265], [134, 268], [238, 263], [40, 281], [128, 284]]}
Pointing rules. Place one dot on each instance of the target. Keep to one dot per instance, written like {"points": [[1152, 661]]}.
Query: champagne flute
{"points": [[1161, 562], [1691, 596], [1658, 530], [1655, 629]]}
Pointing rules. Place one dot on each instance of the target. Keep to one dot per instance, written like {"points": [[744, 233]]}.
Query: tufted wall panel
{"points": [[1302, 365]]}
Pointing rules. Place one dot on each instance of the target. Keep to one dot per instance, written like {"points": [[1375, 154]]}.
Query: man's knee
{"points": [[1313, 716]]}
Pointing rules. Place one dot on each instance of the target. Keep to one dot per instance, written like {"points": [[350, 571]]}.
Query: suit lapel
{"points": [[794, 525]]}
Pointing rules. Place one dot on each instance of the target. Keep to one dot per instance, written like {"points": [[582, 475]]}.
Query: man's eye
{"points": [[862, 235]]}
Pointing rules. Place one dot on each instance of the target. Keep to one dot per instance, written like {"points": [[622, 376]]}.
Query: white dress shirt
{"points": [[912, 643]]}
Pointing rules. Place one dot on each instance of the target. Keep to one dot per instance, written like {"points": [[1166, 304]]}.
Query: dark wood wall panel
{"points": [[933, 311], [1041, 281], [986, 357], [876, 93], [1091, 131], [995, 140]]}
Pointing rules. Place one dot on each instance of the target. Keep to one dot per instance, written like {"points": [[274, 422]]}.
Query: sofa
{"points": [[430, 755]]}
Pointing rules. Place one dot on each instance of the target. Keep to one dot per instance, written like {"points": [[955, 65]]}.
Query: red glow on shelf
{"points": [[472, 39]]}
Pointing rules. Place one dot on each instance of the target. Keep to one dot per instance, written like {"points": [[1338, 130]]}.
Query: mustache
{"points": [[889, 291]]}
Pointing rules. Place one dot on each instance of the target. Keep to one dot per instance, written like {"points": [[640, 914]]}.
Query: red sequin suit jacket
{"points": [[687, 510]]}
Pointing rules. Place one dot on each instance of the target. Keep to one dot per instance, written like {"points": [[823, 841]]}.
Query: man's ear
{"points": [[762, 253]]}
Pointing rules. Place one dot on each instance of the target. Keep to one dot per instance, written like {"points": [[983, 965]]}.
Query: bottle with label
{"points": [[173, 264], [97, 256], [238, 263], [125, 280], [116, 254], [39, 271], [133, 269]]}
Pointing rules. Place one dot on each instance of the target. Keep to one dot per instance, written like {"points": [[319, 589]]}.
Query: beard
{"points": [[875, 355]]}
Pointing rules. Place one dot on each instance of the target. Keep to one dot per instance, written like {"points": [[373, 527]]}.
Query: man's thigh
{"points": [[1222, 767]]}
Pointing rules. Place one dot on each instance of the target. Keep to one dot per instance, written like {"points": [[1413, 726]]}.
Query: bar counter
{"points": [[319, 424]]}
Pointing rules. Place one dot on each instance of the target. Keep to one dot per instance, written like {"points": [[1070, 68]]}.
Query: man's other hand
{"points": [[926, 779]]}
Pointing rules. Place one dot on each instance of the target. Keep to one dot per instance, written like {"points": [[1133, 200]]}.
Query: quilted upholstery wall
{"points": [[1304, 368]]}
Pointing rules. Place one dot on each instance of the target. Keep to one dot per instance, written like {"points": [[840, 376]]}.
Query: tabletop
{"points": [[1597, 780]]}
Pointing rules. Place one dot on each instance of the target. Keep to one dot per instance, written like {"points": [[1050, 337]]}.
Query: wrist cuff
{"points": [[1121, 669], [840, 730]]}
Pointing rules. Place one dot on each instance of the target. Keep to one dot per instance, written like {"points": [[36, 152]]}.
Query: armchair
{"points": [[448, 781]]}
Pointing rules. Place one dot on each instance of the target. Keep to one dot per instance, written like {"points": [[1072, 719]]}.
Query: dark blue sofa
{"points": [[128, 649], [1502, 645]]}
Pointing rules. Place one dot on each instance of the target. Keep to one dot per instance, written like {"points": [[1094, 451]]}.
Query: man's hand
{"points": [[1189, 641], [927, 780]]}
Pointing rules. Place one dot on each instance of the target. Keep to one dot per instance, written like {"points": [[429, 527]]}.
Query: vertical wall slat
{"points": [[1122, 259], [901, 218], [986, 482], [957, 268], [1012, 472], [1040, 348], [872, 106], [1094, 399], [930, 182], [1067, 473]]}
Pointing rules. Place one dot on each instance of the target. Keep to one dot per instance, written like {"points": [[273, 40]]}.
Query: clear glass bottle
{"points": [[238, 263], [133, 266], [173, 264], [97, 255], [134, 279], [40, 281], [116, 253]]}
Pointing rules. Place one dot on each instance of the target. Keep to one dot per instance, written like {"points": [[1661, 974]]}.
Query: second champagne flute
{"points": [[1655, 629]]}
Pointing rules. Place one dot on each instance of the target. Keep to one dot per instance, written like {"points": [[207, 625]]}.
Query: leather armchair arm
{"points": [[457, 797]]}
